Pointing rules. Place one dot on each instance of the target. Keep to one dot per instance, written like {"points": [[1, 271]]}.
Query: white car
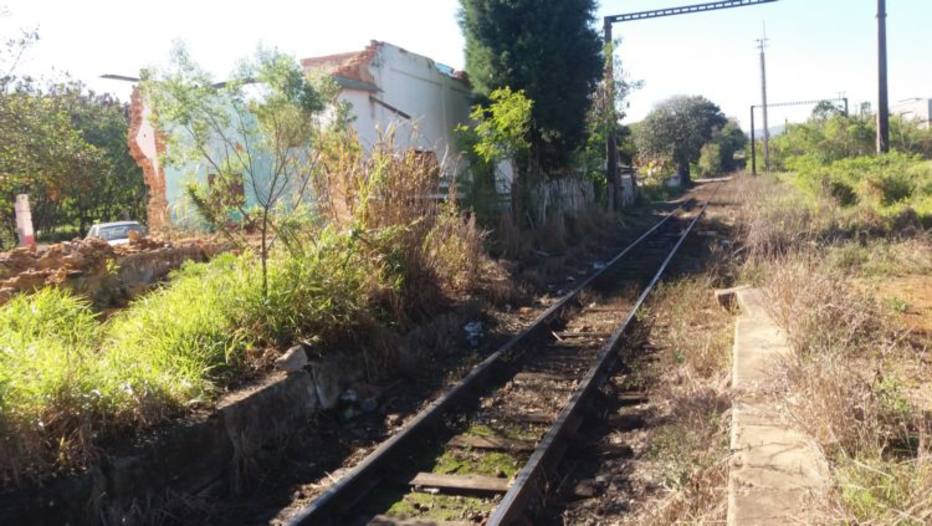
{"points": [[116, 233]]}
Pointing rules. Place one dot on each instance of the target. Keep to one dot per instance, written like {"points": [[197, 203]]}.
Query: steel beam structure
{"points": [[683, 10], [611, 145]]}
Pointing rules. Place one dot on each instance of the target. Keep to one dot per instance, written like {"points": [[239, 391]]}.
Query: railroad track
{"points": [[481, 453]]}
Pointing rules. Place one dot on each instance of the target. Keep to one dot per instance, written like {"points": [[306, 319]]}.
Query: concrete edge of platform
{"points": [[777, 472]]}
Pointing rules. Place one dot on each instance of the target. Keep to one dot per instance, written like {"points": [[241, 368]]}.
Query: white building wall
{"points": [[412, 84], [919, 110]]}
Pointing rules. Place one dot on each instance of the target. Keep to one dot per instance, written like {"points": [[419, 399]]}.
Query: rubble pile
{"points": [[108, 275]]}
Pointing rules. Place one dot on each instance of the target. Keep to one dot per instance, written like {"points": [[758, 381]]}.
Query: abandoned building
{"points": [[386, 87]]}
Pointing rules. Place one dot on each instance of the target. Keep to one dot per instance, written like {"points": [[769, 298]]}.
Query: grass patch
{"points": [[69, 381], [476, 462], [440, 507], [884, 492]]}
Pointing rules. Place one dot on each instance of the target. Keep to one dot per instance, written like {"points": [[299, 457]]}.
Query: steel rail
{"points": [[528, 481], [348, 490]]}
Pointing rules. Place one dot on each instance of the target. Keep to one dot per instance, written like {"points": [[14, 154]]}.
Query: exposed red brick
{"points": [[154, 175]]}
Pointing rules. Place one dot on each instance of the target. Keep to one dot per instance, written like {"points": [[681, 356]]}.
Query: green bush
{"points": [[887, 184], [710, 160], [827, 139]]}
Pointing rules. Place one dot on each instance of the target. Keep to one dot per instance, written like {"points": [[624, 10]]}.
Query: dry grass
{"points": [[850, 380], [391, 200], [848, 386], [688, 382]]}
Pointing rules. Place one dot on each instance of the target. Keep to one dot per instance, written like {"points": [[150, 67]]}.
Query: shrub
{"points": [[832, 138], [887, 185], [710, 160]]}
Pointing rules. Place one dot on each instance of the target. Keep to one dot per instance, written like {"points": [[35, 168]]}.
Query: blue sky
{"points": [[818, 48]]}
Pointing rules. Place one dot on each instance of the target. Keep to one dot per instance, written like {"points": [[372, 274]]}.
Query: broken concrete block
{"points": [[328, 383], [294, 359], [728, 298]]}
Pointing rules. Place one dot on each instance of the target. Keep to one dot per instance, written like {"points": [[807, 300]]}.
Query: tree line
{"points": [[66, 147]]}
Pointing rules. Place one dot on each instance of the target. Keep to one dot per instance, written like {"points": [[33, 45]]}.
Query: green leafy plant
{"points": [[500, 134], [254, 133]]}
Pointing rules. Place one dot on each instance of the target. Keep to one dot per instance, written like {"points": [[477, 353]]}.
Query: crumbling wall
{"points": [[201, 454], [108, 275], [210, 453], [147, 147]]}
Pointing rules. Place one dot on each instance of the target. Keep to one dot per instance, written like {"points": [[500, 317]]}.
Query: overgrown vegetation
{"points": [[890, 185], [379, 254], [830, 136], [857, 378]]}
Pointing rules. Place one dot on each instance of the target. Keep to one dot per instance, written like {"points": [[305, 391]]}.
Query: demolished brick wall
{"points": [[154, 175]]}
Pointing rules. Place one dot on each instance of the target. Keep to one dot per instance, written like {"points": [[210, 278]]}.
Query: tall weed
{"points": [[49, 382]]}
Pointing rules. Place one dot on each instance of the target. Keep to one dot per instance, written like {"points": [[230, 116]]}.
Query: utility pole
{"points": [[753, 145], [762, 44], [883, 105], [611, 144]]}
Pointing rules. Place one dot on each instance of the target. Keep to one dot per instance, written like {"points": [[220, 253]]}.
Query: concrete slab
{"points": [[777, 472]]}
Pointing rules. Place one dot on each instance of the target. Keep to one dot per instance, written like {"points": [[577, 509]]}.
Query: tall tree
{"points": [[608, 109], [678, 128], [549, 50]]}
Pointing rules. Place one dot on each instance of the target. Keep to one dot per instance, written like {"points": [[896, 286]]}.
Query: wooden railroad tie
{"points": [[384, 520], [491, 443], [470, 484], [548, 381], [583, 334]]}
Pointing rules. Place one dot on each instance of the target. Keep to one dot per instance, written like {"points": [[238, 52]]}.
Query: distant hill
{"points": [[774, 131]]}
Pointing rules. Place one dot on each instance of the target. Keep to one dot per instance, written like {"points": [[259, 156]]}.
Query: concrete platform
{"points": [[777, 472]]}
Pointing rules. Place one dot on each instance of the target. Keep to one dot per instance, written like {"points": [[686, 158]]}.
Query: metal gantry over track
{"points": [[683, 10], [611, 145]]}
